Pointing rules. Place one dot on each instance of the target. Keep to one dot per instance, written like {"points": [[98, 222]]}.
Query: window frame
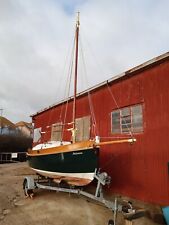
{"points": [[37, 134], [57, 132], [135, 130], [83, 133]]}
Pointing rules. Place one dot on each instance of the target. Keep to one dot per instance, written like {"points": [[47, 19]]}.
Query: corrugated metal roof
{"points": [[132, 71]]}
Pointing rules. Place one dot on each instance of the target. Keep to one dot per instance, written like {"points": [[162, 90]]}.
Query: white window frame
{"points": [[131, 125], [37, 134]]}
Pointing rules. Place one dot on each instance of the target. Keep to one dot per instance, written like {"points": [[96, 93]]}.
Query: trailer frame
{"points": [[31, 183]]}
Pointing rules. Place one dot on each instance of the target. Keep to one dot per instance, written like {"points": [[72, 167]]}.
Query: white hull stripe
{"points": [[89, 176]]}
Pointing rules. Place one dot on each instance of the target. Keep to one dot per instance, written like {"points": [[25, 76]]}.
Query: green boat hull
{"points": [[69, 163]]}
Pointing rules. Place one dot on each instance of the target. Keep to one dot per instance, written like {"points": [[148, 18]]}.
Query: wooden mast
{"points": [[75, 78]]}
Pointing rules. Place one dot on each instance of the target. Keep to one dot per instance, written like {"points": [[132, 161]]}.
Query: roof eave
{"points": [[130, 72]]}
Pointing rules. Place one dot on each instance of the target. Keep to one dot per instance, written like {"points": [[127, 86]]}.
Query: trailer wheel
{"points": [[111, 222], [28, 192]]}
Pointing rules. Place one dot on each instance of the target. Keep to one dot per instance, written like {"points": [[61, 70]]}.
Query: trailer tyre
{"points": [[28, 192], [111, 222]]}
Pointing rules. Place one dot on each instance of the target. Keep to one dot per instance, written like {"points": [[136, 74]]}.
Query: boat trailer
{"points": [[30, 184]]}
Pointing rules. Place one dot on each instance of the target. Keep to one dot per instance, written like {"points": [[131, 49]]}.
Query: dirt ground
{"points": [[49, 207]]}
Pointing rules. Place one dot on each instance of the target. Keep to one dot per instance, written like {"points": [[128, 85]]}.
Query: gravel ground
{"points": [[54, 208], [47, 207]]}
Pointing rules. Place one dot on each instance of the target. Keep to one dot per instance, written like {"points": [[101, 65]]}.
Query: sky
{"points": [[36, 39]]}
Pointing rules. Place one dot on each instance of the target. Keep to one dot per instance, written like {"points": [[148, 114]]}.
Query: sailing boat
{"points": [[72, 162]]}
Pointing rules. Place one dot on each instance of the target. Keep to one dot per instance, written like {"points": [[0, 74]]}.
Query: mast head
{"points": [[78, 19]]}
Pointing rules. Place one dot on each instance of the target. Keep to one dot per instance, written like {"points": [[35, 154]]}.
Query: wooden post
{"points": [[128, 222]]}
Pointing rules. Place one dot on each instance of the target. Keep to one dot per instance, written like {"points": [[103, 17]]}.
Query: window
{"points": [[56, 132], [128, 119], [116, 121], [36, 134], [83, 128], [137, 118], [125, 120]]}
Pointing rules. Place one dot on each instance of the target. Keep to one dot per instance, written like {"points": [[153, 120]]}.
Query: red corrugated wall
{"points": [[140, 170]]}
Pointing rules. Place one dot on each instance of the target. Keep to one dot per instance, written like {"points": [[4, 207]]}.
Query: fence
{"points": [[8, 157]]}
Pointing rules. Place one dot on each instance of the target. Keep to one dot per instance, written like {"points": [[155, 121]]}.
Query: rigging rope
{"points": [[67, 92], [101, 69], [68, 80], [70, 76], [67, 84], [110, 91], [94, 123]]}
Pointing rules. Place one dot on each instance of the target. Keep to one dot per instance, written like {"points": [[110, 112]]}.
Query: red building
{"points": [[137, 101]]}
